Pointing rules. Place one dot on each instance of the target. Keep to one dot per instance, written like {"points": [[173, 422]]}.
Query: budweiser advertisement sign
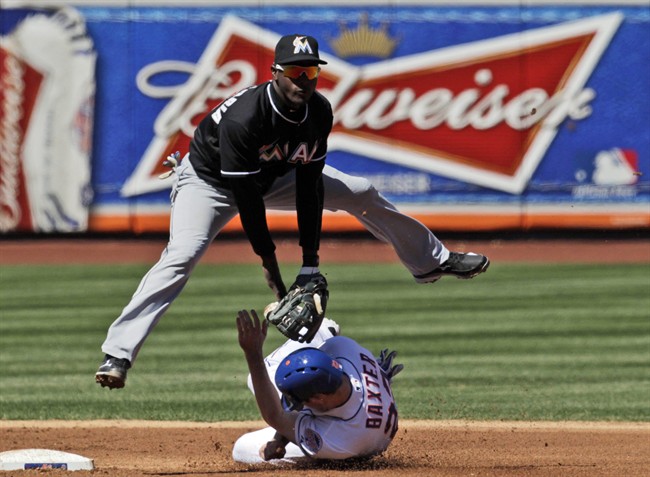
{"points": [[47, 88], [466, 117], [483, 112]]}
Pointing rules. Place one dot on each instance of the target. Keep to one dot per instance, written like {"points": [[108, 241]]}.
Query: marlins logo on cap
{"points": [[297, 49]]}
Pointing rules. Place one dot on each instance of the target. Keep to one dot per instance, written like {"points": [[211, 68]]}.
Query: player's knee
{"points": [[362, 186], [187, 253], [355, 197], [244, 451], [365, 194]]}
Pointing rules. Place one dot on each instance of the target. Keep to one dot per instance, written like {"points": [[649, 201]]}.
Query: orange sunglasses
{"points": [[294, 71]]}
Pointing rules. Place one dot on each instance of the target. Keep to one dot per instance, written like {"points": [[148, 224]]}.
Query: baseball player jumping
{"points": [[265, 147], [332, 399]]}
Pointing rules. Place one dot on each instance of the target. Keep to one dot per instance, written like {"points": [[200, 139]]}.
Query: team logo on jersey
{"points": [[300, 153], [311, 441], [464, 112]]}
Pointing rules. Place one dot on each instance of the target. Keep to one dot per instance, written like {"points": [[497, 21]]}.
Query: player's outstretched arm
{"points": [[309, 208], [252, 333], [252, 213]]}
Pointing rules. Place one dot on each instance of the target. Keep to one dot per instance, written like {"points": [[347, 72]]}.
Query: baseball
{"points": [[271, 307], [319, 305]]}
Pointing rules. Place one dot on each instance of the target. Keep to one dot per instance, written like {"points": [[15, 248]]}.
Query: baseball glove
{"points": [[385, 360], [300, 313]]}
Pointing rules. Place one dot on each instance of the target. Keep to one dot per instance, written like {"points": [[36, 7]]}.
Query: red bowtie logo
{"points": [[483, 113]]}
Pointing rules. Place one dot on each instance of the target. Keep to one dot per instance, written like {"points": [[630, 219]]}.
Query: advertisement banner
{"points": [[468, 118], [47, 88]]}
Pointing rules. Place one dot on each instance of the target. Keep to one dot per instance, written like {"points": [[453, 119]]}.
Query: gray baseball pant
{"points": [[199, 212]]}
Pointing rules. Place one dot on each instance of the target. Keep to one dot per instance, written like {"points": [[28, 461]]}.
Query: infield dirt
{"points": [[421, 448]]}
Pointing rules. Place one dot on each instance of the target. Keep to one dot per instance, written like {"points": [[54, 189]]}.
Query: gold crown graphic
{"points": [[364, 41]]}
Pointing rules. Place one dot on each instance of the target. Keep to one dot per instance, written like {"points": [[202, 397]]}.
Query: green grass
{"points": [[522, 342]]}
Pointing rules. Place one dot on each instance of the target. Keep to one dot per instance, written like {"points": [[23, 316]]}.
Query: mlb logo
{"points": [[612, 167], [616, 167]]}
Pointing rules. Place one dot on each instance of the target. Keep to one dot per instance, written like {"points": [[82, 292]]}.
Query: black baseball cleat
{"points": [[459, 265], [112, 372]]}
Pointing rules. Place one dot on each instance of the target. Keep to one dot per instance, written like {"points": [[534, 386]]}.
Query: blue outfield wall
{"points": [[469, 118]]}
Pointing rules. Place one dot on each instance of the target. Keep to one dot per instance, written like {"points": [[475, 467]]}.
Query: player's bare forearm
{"points": [[272, 275], [265, 393], [252, 333]]}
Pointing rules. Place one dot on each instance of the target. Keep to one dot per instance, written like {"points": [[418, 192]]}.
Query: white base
{"points": [[43, 459]]}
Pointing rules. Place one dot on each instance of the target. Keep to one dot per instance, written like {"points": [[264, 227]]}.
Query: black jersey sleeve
{"points": [[252, 214], [326, 121], [309, 187], [309, 208]]}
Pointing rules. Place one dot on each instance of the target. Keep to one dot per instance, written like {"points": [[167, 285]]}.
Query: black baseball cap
{"points": [[297, 48]]}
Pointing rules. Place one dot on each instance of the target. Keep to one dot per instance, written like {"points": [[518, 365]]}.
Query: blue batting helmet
{"points": [[305, 372]]}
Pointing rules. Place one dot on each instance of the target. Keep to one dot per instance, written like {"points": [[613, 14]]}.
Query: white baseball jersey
{"points": [[366, 424]]}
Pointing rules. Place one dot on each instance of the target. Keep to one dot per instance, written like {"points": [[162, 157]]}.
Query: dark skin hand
{"points": [[274, 449]]}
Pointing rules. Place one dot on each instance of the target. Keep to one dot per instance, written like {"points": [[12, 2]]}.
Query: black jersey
{"points": [[253, 133], [251, 139]]}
